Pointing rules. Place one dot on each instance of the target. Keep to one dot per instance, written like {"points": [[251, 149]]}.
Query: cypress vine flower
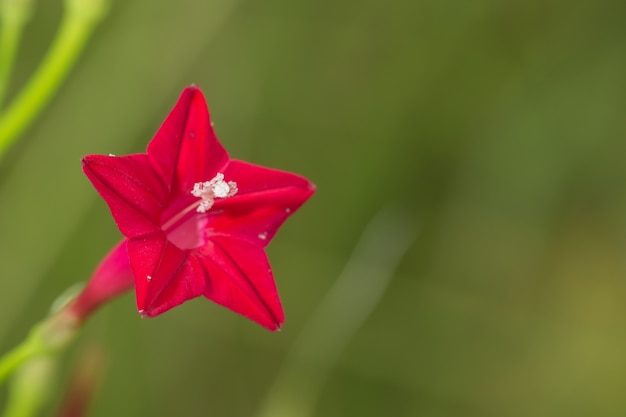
{"points": [[196, 223]]}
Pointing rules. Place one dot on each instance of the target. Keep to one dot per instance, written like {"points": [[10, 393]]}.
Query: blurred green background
{"points": [[498, 126]]}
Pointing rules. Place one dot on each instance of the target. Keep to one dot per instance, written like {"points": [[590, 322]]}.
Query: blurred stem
{"points": [[30, 387], [79, 20], [345, 308], [13, 17], [28, 349], [33, 361], [84, 383], [45, 339]]}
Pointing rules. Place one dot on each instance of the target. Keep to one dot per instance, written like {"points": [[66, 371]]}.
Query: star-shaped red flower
{"points": [[196, 222]]}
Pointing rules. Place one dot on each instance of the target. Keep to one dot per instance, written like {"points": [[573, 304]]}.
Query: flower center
{"points": [[208, 191], [185, 229]]}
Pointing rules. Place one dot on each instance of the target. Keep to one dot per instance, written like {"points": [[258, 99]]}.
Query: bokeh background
{"points": [[496, 129]]}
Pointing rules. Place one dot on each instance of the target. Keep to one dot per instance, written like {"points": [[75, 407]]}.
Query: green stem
{"points": [[31, 387], [32, 363], [22, 353], [46, 338], [80, 18]]}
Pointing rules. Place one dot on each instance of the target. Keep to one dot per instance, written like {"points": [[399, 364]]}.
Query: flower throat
{"points": [[207, 191]]}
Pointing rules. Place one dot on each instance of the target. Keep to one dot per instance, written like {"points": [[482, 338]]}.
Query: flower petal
{"points": [[240, 278], [177, 252], [185, 149], [264, 200], [165, 276], [111, 278], [130, 187]]}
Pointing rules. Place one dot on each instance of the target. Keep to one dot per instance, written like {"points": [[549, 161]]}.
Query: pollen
{"points": [[221, 189], [208, 191]]}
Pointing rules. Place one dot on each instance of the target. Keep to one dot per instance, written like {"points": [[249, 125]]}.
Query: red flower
{"points": [[196, 222]]}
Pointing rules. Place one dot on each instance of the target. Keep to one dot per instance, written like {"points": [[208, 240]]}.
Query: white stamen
{"points": [[149, 278], [111, 154], [208, 191], [263, 235], [221, 189]]}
